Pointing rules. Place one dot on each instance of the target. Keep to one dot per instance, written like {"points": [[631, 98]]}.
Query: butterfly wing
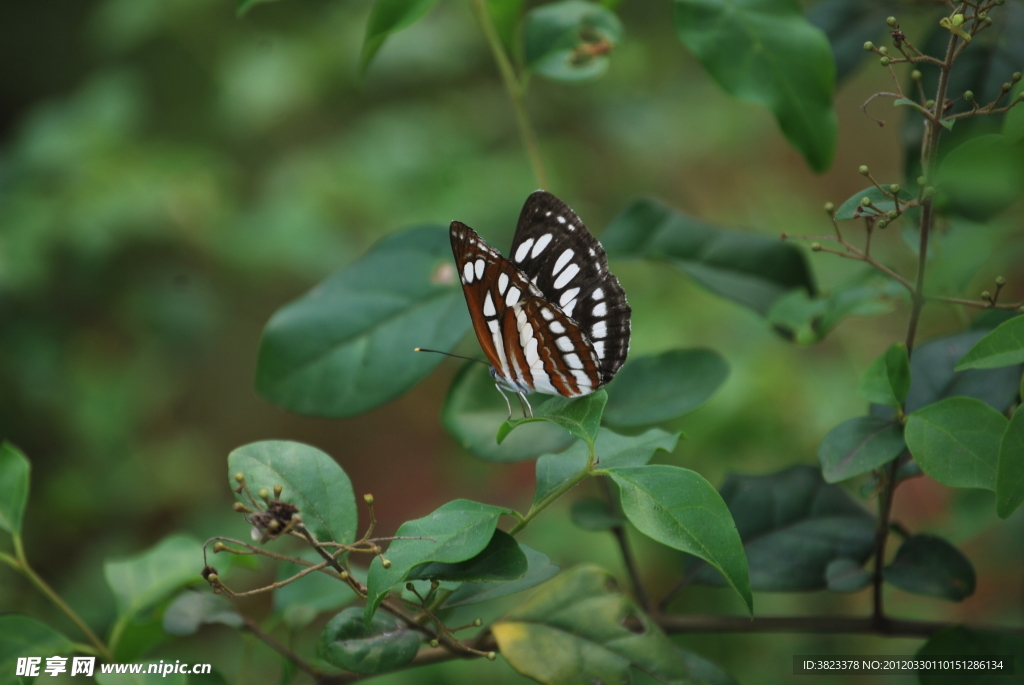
{"points": [[557, 253]]}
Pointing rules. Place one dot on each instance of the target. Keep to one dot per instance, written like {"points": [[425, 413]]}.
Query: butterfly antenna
{"points": [[449, 354]]}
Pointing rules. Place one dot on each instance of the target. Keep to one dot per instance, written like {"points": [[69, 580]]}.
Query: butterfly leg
{"points": [[525, 404], [507, 403]]}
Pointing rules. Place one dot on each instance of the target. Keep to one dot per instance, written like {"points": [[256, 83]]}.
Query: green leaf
{"points": [[806, 320], [456, 531], [859, 445], [300, 602], [581, 417], [14, 480], [569, 40], [678, 508], [349, 643], [969, 642], [956, 442], [852, 208], [539, 570], [903, 102], [666, 386], [887, 380], [1002, 347], [574, 630], [765, 51], [144, 678], [346, 346], [474, 409], [1013, 124], [928, 565], [1010, 469], [501, 559], [193, 609], [793, 525], [143, 580], [846, 575], [387, 17], [595, 514], [506, 15], [848, 25], [983, 176], [612, 449], [245, 5], [22, 636], [932, 377], [312, 481], [745, 267]]}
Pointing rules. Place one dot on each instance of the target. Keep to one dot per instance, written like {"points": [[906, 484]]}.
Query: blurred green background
{"points": [[170, 175]]}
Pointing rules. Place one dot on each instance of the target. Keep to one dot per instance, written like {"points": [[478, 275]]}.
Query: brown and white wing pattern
{"points": [[552, 319]]}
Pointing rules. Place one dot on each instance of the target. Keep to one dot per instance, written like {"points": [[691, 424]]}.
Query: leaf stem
{"points": [[628, 560], [568, 485], [515, 90], [20, 562]]}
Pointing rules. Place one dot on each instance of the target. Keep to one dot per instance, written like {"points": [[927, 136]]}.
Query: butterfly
{"points": [[551, 318]]}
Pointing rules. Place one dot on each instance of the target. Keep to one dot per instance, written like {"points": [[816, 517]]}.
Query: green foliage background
{"points": [[171, 175]]}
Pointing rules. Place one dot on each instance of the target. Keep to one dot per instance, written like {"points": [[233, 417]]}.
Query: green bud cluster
{"points": [[884, 61], [869, 46], [891, 21], [865, 201], [968, 95], [894, 188]]}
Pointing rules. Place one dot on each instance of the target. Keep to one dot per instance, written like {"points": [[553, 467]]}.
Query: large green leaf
{"points": [[1002, 347], [347, 345], [678, 508], [751, 269], [244, 6], [14, 480], [1010, 469], [349, 643], [473, 411], [971, 643], [806, 320], [846, 575], [612, 449], [299, 603], [387, 17], [765, 51], [310, 479], [983, 176], [661, 387], [581, 417], [24, 636], [501, 559], [539, 569], [574, 630], [859, 445], [569, 40], [793, 525], [956, 442], [594, 513], [929, 565], [143, 580], [456, 531], [887, 380], [849, 24], [191, 610]]}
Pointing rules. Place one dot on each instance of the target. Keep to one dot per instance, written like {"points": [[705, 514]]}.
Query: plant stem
{"points": [[628, 560], [21, 564], [562, 489], [881, 538], [514, 88], [271, 642]]}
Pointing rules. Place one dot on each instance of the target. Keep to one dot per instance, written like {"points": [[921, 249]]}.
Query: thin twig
{"points": [[270, 641]]}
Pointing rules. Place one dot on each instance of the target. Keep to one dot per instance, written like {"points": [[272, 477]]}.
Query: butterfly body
{"points": [[551, 318]]}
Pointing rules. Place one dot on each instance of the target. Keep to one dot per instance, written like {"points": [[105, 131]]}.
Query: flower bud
{"points": [[884, 50], [263, 493], [241, 508], [1000, 281], [477, 622], [916, 75], [491, 656], [368, 498], [1007, 86], [410, 587], [930, 191], [829, 208], [982, 15], [219, 547], [869, 46], [865, 201], [891, 21], [892, 214], [986, 295], [213, 579], [882, 223], [434, 643], [894, 188], [930, 104], [278, 489], [957, 20], [386, 563], [884, 61], [968, 95], [815, 247], [240, 477], [921, 180], [863, 170], [1015, 77]]}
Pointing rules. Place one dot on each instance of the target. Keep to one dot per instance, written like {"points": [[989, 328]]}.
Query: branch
{"points": [[271, 642]]}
